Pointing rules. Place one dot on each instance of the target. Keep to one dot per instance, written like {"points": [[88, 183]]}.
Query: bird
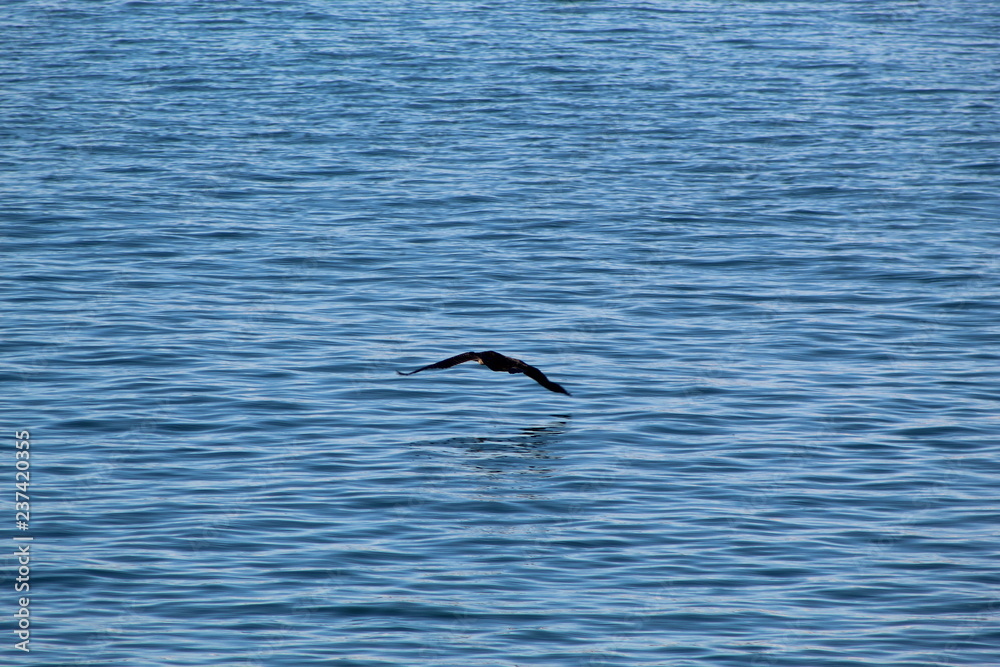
{"points": [[496, 362]]}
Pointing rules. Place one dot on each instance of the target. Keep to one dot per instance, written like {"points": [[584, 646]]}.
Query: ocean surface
{"points": [[757, 241]]}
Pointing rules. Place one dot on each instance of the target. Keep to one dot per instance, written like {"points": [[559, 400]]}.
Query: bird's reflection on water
{"points": [[529, 445]]}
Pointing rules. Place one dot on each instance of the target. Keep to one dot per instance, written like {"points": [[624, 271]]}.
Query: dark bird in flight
{"points": [[496, 362]]}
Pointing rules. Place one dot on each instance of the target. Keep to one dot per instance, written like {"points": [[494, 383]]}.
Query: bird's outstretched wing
{"points": [[540, 378], [447, 363]]}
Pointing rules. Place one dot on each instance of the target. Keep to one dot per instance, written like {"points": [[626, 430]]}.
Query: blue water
{"points": [[758, 242]]}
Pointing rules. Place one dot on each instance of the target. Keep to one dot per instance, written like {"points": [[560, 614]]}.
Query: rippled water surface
{"points": [[756, 240]]}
